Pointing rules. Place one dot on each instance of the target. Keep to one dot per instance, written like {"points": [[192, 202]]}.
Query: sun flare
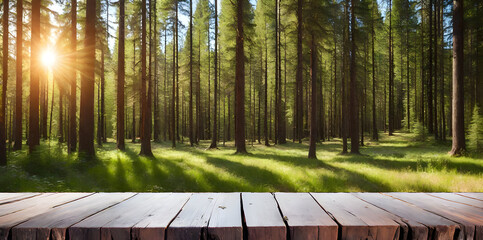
{"points": [[48, 58]]}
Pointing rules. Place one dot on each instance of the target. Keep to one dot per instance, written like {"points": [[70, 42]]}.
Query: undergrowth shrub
{"points": [[475, 136], [420, 132]]}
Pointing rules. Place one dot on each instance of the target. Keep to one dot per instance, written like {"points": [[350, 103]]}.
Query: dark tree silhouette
{"points": [[86, 122], [34, 131], [120, 78], [240, 82], [458, 113]]}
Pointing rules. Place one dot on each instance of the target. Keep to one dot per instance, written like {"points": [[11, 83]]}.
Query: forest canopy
{"points": [[83, 73]]}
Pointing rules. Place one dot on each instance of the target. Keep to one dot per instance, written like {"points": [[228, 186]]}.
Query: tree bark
{"points": [[120, 78], [86, 123], [299, 81], [354, 115], [375, 135], [214, 137], [18, 88], [240, 82], [145, 93], [313, 114], [34, 131], [265, 121], [73, 81], [3, 130], [173, 102], [391, 74], [190, 131], [458, 126]]}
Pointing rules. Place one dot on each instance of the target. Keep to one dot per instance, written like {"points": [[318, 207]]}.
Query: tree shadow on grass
{"points": [[421, 164], [340, 180], [259, 179]]}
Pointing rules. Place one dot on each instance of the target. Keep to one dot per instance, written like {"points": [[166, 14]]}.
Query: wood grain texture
{"points": [[13, 197], [477, 196], [305, 218], [154, 225], [192, 221], [422, 224], [55, 222], [458, 199], [358, 219], [468, 217], [271, 225], [226, 218], [117, 221], [31, 207]]}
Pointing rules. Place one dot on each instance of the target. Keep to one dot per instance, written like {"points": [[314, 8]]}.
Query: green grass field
{"points": [[395, 163]]}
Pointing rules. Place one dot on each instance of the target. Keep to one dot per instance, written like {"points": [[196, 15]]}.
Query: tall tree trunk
{"points": [[3, 129], [133, 140], [177, 73], [430, 62], [391, 74], [173, 102], [145, 110], [375, 135], [281, 130], [265, 121], [120, 79], [313, 114], [34, 131], [86, 123], [277, 103], [214, 137], [155, 76], [408, 99], [190, 131], [443, 117], [436, 75], [344, 78], [240, 82], [52, 107], [73, 81], [299, 81], [334, 110], [459, 145], [165, 102], [199, 128], [100, 98], [61, 111], [19, 75], [354, 115]]}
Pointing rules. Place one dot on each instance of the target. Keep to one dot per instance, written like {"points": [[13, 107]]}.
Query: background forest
{"points": [[395, 80]]}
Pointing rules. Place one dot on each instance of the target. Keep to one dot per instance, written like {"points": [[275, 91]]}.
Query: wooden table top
{"points": [[241, 216]]}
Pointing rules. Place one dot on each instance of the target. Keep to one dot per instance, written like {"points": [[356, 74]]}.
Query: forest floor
{"points": [[395, 163]]}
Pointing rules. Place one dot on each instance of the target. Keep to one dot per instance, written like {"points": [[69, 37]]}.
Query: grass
{"points": [[394, 163]]}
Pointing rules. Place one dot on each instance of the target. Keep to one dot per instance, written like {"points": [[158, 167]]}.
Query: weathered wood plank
{"points": [[226, 218], [423, 224], [358, 219], [29, 208], [468, 217], [305, 218], [458, 199], [13, 197], [117, 221], [154, 225], [271, 225], [56, 221], [474, 195], [192, 221]]}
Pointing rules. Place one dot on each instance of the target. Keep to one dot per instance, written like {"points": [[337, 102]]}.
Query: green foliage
{"points": [[420, 132], [476, 132]]}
